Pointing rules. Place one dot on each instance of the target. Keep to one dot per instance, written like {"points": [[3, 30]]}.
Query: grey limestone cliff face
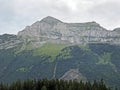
{"points": [[51, 28]]}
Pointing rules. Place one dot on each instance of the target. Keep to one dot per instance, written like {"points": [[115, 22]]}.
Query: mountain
{"points": [[51, 28], [51, 49]]}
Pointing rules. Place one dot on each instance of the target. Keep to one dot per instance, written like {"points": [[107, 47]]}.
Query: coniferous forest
{"points": [[45, 84]]}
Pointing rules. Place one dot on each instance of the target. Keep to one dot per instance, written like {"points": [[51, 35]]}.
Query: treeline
{"points": [[45, 84]]}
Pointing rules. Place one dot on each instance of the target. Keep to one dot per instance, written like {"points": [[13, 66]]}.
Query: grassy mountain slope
{"points": [[94, 61]]}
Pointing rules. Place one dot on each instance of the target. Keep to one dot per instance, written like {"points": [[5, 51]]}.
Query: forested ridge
{"points": [[54, 84]]}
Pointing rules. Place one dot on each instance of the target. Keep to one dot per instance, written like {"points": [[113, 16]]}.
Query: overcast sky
{"points": [[16, 14]]}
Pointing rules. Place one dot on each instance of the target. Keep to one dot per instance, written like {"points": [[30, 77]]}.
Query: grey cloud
{"points": [[16, 14], [6, 11], [108, 13], [110, 10]]}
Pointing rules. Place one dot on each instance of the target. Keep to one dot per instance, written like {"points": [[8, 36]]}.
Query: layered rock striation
{"points": [[50, 28]]}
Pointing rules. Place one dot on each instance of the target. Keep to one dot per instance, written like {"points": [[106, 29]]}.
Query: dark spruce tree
{"points": [[45, 84]]}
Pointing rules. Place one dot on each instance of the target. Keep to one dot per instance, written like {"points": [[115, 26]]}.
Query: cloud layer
{"points": [[16, 14]]}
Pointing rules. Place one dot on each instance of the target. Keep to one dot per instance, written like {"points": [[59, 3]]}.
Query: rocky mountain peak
{"points": [[50, 20], [50, 28]]}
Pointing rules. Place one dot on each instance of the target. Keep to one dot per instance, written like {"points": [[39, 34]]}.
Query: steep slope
{"points": [[50, 28], [90, 62]]}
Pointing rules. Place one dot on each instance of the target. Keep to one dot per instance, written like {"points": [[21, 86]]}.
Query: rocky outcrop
{"points": [[73, 74], [8, 41], [50, 28]]}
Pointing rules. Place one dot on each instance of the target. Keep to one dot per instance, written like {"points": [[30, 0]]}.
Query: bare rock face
{"points": [[73, 74], [50, 28], [44, 29]]}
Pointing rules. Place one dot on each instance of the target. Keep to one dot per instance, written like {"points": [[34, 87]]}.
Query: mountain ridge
{"points": [[52, 28]]}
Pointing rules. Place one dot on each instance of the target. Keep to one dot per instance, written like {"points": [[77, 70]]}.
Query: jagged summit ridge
{"points": [[50, 28]]}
